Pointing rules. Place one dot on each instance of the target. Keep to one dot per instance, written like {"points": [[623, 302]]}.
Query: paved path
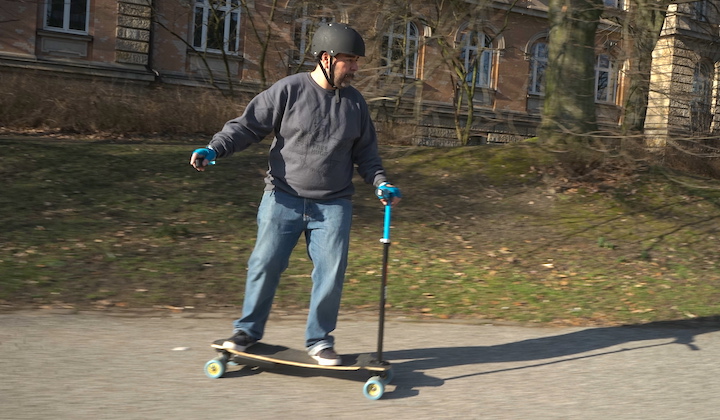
{"points": [[95, 366]]}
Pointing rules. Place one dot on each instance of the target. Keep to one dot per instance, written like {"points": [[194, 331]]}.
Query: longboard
{"points": [[262, 354], [274, 354]]}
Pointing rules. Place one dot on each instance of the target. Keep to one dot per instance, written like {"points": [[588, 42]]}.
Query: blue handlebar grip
{"points": [[386, 226], [206, 153]]}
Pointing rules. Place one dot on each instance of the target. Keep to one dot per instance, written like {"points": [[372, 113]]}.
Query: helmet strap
{"points": [[328, 77]]}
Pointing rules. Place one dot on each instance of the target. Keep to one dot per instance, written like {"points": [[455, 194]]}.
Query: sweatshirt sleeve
{"points": [[365, 152], [256, 123]]}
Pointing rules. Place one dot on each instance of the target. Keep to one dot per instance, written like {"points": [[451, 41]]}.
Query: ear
{"points": [[325, 59]]}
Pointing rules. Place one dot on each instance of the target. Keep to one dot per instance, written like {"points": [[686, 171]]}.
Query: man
{"points": [[322, 130]]}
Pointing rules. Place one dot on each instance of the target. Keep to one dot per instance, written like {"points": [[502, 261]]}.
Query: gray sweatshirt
{"points": [[318, 139]]}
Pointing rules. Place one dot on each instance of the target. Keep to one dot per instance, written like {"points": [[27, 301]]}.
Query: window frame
{"points": [[305, 25], [410, 45], [701, 104], [614, 4], [538, 65], [229, 9], [700, 10], [610, 88], [67, 9], [469, 50]]}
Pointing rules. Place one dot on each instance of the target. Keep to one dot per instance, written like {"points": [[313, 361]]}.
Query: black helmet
{"points": [[337, 38]]}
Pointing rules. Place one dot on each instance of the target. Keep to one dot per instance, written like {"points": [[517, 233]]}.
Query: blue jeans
{"points": [[281, 219]]}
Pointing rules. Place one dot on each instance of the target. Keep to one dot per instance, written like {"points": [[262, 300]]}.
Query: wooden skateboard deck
{"points": [[263, 354]]}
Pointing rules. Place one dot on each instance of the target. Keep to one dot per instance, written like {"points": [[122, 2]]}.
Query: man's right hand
{"points": [[202, 157], [388, 194]]}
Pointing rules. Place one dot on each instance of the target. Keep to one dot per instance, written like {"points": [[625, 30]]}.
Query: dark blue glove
{"points": [[386, 191], [206, 153]]}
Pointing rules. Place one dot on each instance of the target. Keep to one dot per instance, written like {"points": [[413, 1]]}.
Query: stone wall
{"points": [[132, 44]]}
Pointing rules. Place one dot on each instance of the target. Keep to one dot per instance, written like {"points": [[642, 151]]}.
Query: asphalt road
{"points": [[97, 366]]}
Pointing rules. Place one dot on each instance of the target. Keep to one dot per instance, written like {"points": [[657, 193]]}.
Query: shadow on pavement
{"points": [[413, 365]]}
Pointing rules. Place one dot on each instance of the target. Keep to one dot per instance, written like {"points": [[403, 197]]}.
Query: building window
{"points": [[400, 49], [477, 55], [616, 4], [700, 10], [217, 26], [67, 15], [307, 18], [538, 64], [700, 105], [605, 79]]}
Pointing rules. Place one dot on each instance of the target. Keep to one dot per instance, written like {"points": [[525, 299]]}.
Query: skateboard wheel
{"points": [[214, 368], [374, 388]]}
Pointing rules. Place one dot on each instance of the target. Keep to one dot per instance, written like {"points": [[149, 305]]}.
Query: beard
{"points": [[344, 81]]}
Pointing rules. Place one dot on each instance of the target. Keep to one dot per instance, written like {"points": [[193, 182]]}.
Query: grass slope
{"points": [[481, 233]]}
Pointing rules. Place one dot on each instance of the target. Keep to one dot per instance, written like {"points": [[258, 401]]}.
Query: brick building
{"points": [[414, 52]]}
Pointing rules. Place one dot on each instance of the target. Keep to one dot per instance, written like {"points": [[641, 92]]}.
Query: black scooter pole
{"points": [[383, 289]]}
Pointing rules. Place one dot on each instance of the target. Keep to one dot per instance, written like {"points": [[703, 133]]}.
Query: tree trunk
{"points": [[643, 26], [569, 106]]}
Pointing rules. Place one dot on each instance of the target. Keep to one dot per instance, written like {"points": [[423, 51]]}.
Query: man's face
{"points": [[344, 68]]}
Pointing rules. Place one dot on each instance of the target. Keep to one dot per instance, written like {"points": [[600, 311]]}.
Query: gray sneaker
{"points": [[326, 357], [240, 341]]}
